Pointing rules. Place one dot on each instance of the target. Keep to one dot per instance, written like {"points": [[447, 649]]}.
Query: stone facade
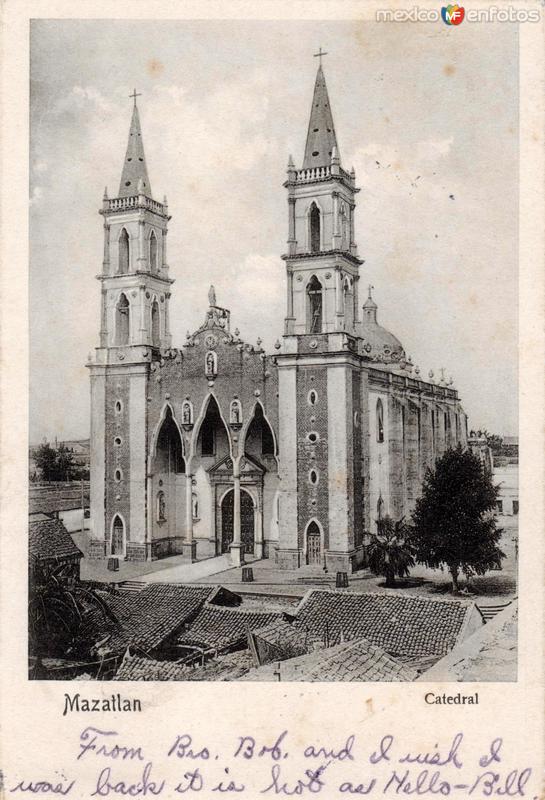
{"points": [[218, 447]]}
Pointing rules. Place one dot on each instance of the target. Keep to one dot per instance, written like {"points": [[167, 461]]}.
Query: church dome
{"points": [[379, 344]]}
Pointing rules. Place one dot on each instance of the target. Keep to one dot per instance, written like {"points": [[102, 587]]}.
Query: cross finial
{"points": [[370, 289], [134, 95], [319, 54]]}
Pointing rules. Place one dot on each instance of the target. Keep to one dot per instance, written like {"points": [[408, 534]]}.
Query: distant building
{"points": [[506, 475]]}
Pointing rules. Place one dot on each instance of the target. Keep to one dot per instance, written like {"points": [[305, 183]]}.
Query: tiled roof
{"points": [[48, 539], [218, 627], [280, 640], [140, 668], [358, 660], [149, 617], [404, 625], [46, 501], [226, 667]]}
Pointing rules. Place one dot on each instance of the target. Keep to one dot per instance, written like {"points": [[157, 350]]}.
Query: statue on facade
{"points": [[212, 296]]}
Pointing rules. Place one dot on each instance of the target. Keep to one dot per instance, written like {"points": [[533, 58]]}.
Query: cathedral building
{"points": [[218, 447]]}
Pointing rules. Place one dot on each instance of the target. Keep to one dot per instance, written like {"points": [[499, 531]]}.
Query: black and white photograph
{"points": [[273, 350]]}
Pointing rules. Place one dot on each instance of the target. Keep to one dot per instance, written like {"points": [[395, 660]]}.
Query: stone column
{"points": [[103, 321], [189, 546], [336, 239], [258, 541], [144, 336], [289, 317], [237, 550], [106, 259], [292, 241], [141, 265], [164, 249], [339, 306], [167, 336], [353, 247]]}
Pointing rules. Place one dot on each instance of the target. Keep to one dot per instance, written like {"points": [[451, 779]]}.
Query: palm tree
{"points": [[390, 553], [66, 618]]}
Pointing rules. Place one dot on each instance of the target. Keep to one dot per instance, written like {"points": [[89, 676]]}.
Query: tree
{"points": [[454, 521], [46, 461], [66, 618], [56, 464], [390, 552]]}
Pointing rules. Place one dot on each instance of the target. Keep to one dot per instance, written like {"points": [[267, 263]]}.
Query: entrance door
{"points": [[118, 537], [314, 550], [246, 521]]}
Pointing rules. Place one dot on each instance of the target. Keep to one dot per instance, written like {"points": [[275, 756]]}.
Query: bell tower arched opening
{"points": [[124, 253], [314, 228], [153, 252], [122, 321], [314, 305]]}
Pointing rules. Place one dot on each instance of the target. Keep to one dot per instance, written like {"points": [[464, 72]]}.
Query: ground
{"points": [[494, 587]]}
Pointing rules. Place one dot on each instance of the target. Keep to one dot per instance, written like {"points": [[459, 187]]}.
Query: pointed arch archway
{"points": [[168, 447], [213, 426], [314, 542], [314, 305], [118, 543], [258, 437], [122, 320], [124, 261], [314, 228]]}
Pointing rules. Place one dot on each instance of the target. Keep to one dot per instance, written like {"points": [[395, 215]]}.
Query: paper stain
{"points": [[449, 69], [155, 67]]}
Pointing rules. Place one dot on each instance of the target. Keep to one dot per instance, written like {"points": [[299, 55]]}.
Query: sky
{"points": [[427, 114]]}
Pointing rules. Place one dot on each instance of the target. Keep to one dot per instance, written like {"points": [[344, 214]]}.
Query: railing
{"points": [[319, 173], [128, 203]]}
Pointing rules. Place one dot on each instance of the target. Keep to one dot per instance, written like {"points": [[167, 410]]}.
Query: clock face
{"points": [[211, 340]]}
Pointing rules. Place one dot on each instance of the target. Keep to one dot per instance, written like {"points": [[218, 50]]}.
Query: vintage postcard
{"points": [[273, 399]]}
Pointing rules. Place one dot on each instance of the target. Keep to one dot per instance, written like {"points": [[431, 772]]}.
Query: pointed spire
{"points": [[370, 307], [134, 166], [321, 137]]}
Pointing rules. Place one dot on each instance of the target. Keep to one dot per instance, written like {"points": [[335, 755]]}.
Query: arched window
{"points": [[161, 507], [155, 325], [380, 421], [153, 252], [124, 253], [314, 225], [118, 536], [122, 321], [380, 507], [312, 397], [314, 294]]}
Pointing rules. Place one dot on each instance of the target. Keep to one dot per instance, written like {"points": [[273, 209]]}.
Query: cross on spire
{"points": [[134, 95], [319, 54]]}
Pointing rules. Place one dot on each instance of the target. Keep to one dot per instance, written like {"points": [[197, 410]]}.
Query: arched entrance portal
{"points": [[247, 524], [314, 544], [118, 537]]}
